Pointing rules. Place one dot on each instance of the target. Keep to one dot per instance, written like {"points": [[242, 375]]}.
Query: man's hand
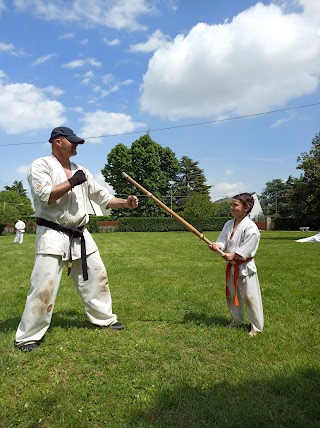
{"points": [[77, 178], [132, 201]]}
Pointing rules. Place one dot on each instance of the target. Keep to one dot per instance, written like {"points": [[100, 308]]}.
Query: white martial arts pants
{"points": [[44, 284], [249, 294], [18, 237]]}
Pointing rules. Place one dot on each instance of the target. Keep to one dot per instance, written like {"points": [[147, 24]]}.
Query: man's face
{"points": [[66, 147]]}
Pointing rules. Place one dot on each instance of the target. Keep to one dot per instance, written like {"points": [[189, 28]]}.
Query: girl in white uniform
{"points": [[239, 240]]}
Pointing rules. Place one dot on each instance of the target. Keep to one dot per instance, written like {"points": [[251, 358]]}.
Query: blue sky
{"points": [[109, 67]]}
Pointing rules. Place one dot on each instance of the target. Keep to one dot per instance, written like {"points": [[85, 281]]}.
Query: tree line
{"points": [[181, 185], [296, 201]]}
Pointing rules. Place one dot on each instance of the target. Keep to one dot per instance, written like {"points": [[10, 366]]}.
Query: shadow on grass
{"points": [[69, 319], [204, 319], [10, 324], [64, 320], [279, 402], [283, 238]]}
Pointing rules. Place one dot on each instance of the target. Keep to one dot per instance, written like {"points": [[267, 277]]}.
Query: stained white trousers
{"points": [[249, 294], [44, 285], [19, 237]]}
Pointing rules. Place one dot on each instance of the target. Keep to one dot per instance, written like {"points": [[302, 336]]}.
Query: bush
{"points": [[141, 224], [286, 223], [166, 224], [149, 224], [93, 225], [290, 223]]}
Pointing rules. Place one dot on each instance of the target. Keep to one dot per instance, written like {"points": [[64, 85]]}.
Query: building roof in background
{"points": [[228, 198]]}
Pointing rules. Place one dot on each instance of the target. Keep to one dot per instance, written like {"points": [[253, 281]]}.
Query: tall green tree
{"points": [[147, 162], [274, 198], [305, 196], [17, 187], [190, 180], [199, 208], [12, 207], [223, 209], [14, 199], [8, 214]]}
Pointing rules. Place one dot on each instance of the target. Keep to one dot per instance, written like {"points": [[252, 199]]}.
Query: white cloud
{"points": [[113, 42], [77, 109], [224, 189], [67, 36], [114, 88], [23, 169], [101, 123], [6, 47], [43, 59], [3, 75], [281, 121], [2, 6], [23, 107], [107, 78], [10, 49], [156, 40], [78, 63], [262, 59], [118, 14], [53, 90], [87, 77]]}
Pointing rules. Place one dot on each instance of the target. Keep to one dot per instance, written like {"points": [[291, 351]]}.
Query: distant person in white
{"points": [[314, 238], [20, 227]]}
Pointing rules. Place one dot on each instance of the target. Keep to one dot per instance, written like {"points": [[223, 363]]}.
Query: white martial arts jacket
{"points": [[70, 210], [20, 226], [244, 242]]}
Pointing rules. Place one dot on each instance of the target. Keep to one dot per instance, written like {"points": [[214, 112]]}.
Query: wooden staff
{"points": [[170, 211]]}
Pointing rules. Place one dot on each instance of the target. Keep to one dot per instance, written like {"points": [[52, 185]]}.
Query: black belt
{"points": [[72, 232]]}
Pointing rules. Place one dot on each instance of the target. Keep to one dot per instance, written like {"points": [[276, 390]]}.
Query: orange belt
{"points": [[236, 265]]}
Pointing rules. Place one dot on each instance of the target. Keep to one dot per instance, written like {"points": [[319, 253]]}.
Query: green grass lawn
{"points": [[175, 364]]}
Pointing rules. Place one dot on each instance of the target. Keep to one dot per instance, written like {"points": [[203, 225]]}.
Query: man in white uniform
{"points": [[239, 239], [61, 191], [20, 227]]}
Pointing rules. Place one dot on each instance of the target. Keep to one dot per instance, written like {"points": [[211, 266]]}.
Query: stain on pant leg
{"points": [[44, 299]]}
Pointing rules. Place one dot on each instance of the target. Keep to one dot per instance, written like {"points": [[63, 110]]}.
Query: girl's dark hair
{"points": [[246, 199]]}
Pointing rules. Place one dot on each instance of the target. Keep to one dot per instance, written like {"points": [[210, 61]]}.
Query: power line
{"points": [[183, 126]]}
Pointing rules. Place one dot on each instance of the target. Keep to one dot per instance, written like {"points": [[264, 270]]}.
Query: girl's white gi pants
{"points": [[249, 294], [44, 284]]}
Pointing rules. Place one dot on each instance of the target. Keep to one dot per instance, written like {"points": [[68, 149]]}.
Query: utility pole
{"points": [[171, 197]]}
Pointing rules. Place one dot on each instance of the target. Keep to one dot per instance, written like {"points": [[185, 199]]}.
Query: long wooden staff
{"points": [[170, 211]]}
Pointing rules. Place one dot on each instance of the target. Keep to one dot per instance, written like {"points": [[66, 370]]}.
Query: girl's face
{"points": [[237, 209]]}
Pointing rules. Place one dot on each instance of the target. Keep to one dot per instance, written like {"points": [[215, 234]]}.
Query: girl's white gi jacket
{"points": [[70, 210], [244, 242]]}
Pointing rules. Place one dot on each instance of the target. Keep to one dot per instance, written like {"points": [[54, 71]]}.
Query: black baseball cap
{"points": [[63, 131]]}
